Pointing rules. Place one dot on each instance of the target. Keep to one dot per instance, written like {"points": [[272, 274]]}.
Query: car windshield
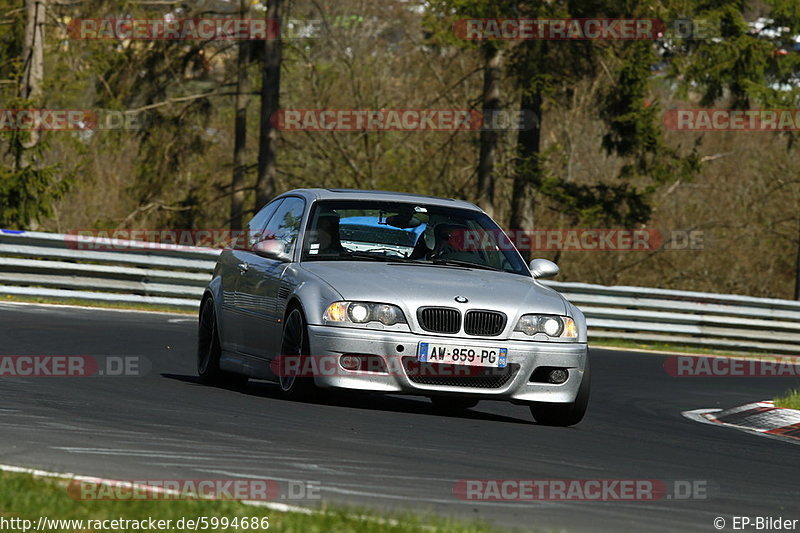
{"points": [[408, 233]]}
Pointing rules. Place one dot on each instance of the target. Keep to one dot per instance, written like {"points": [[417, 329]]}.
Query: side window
{"points": [[256, 225], [285, 225]]}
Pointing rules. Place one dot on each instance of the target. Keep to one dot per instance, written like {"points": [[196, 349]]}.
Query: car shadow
{"points": [[356, 400]]}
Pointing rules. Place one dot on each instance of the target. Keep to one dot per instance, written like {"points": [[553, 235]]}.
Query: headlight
{"points": [[363, 312], [550, 325], [358, 313]]}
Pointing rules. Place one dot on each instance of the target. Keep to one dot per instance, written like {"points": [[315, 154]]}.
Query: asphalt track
{"points": [[385, 452]]}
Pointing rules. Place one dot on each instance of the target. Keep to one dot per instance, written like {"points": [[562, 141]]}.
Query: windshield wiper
{"points": [[456, 262], [375, 257], [398, 259]]}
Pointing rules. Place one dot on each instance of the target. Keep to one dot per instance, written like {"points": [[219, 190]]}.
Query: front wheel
{"points": [[565, 414], [295, 345], [209, 351]]}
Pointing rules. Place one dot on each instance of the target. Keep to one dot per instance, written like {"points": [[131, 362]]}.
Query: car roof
{"points": [[378, 196]]}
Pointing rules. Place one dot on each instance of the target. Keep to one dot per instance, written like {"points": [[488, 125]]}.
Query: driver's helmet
{"points": [[444, 237]]}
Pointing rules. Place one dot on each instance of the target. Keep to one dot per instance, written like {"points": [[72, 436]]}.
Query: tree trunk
{"points": [[30, 85], [270, 103], [528, 172], [493, 59], [33, 50], [240, 128]]}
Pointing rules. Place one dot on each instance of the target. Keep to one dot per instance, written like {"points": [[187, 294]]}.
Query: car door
{"points": [[228, 271], [257, 292], [235, 264]]}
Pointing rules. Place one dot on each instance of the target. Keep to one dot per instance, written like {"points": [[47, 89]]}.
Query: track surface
{"points": [[384, 452]]}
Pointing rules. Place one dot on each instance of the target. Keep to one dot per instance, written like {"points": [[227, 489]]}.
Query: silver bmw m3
{"points": [[393, 293]]}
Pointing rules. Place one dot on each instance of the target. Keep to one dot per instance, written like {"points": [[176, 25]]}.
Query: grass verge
{"points": [[100, 305], [677, 348], [25, 497], [790, 400]]}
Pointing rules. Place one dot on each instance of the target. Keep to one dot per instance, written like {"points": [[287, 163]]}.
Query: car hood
{"points": [[412, 286]]}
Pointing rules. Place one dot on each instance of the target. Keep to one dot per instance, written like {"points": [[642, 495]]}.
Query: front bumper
{"points": [[524, 357]]}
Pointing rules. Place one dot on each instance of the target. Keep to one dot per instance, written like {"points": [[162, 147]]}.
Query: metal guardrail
{"points": [[54, 266], [59, 266], [687, 317]]}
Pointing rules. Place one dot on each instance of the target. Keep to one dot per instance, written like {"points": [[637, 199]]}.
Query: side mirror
{"points": [[543, 269], [272, 249]]}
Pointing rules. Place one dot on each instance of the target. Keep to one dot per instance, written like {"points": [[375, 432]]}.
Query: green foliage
{"points": [[31, 497], [166, 143], [599, 205], [790, 400], [552, 69], [786, 13], [602, 156], [739, 68], [635, 130], [27, 194], [11, 32], [28, 187]]}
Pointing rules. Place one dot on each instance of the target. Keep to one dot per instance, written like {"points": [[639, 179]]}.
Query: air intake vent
{"points": [[484, 323], [439, 319], [284, 292], [485, 378]]}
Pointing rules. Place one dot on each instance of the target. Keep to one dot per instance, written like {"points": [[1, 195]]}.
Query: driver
{"points": [[327, 234], [437, 240], [446, 240]]}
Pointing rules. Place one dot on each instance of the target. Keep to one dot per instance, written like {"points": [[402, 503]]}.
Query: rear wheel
{"points": [[565, 414], [295, 345], [209, 351], [446, 404]]}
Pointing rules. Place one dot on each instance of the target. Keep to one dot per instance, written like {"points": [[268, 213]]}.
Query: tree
{"points": [[30, 83], [489, 137], [544, 75], [240, 127], [744, 69], [266, 183], [492, 58], [27, 188]]}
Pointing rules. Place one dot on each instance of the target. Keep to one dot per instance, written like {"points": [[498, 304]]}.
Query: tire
{"points": [[295, 344], [565, 414], [209, 351], [447, 404]]}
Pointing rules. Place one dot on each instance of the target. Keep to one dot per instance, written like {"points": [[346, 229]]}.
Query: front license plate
{"points": [[463, 355]]}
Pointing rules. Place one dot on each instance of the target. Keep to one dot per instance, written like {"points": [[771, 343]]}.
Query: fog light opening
{"points": [[557, 376], [354, 362], [350, 362]]}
